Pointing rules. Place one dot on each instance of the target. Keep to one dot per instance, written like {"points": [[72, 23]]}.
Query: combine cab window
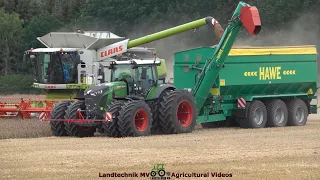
{"points": [[55, 68]]}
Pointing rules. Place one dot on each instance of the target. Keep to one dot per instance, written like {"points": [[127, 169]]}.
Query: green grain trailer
{"points": [[257, 86]]}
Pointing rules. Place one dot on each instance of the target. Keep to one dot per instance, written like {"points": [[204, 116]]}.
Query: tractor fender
{"points": [[161, 88]]}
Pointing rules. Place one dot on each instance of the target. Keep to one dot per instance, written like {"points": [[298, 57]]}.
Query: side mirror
{"points": [[144, 73]]}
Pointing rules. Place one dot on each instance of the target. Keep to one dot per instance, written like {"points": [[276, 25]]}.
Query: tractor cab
{"points": [[139, 75]]}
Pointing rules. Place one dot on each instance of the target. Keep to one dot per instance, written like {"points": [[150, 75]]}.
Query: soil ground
{"points": [[269, 153]]}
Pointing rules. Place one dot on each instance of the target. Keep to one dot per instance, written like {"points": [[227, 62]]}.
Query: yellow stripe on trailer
{"points": [[271, 50]]}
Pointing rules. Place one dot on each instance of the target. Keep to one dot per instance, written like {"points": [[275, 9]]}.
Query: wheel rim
{"points": [[184, 113], [279, 115], [300, 114], [141, 120], [258, 116]]}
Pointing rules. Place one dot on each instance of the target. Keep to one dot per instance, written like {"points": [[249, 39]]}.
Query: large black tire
{"points": [[135, 119], [58, 112], [256, 108], [156, 128], [74, 129], [111, 129], [277, 113], [173, 105], [297, 112]]}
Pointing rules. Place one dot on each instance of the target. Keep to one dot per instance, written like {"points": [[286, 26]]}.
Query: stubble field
{"points": [[270, 153]]}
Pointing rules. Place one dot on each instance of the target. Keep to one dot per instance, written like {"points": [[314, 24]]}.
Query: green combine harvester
{"points": [[257, 87]]}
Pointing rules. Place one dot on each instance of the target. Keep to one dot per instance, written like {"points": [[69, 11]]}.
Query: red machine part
{"points": [[80, 118], [251, 19], [15, 107]]}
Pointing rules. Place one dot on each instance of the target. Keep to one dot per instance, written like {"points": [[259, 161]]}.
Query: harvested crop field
{"points": [[270, 153]]}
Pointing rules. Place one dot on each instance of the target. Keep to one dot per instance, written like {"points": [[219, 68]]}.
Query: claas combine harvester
{"points": [[257, 87]]}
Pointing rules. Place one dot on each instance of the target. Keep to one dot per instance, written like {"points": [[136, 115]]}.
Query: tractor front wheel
{"points": [[135, 119], [74, 129], [111, 129], [58, 112], [178, 112]]}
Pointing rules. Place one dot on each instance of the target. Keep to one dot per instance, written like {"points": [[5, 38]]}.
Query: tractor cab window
{"points": [[146, 77], [122, 72]]}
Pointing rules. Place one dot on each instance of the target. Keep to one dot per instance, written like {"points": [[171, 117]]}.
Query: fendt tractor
{"points": [[75, 61], [255, 86]]}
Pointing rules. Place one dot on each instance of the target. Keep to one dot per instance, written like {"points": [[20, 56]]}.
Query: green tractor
{"points": [[136, 102]]}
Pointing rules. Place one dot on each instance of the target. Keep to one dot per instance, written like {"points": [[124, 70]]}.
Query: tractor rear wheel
{"points": [[297, 112], [58, 112], [74, 129], [135, 119], [111, 129], [178, 112], [156, 128]]}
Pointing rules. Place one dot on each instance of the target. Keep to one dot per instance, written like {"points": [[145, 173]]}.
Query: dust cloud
{"points": [[301, 31], [168, 46]]}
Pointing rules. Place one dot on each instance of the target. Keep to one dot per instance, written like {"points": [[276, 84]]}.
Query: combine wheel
{"points": [[178, 112], [135, 119], [277, 113], [256, 115], [111, 129], [297, 112], [74, 129], [58, 112]]}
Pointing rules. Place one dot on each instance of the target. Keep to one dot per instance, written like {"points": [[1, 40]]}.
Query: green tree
{"points": [[38, 26], [10, 40]]}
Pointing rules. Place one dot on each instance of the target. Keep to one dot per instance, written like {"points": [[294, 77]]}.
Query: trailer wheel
{"points": [[256, 115], [135, 119], [297, 112], [111, 129], [74, 129], [58, 112], [277, 113], [178, 112]]}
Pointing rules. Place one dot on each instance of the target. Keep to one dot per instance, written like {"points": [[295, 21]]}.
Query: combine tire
{"points": [[58, 112], [135, 119], [297, 112], [178, 112], [74, 129], [111, 129], [277, 113], [256, 115]]}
